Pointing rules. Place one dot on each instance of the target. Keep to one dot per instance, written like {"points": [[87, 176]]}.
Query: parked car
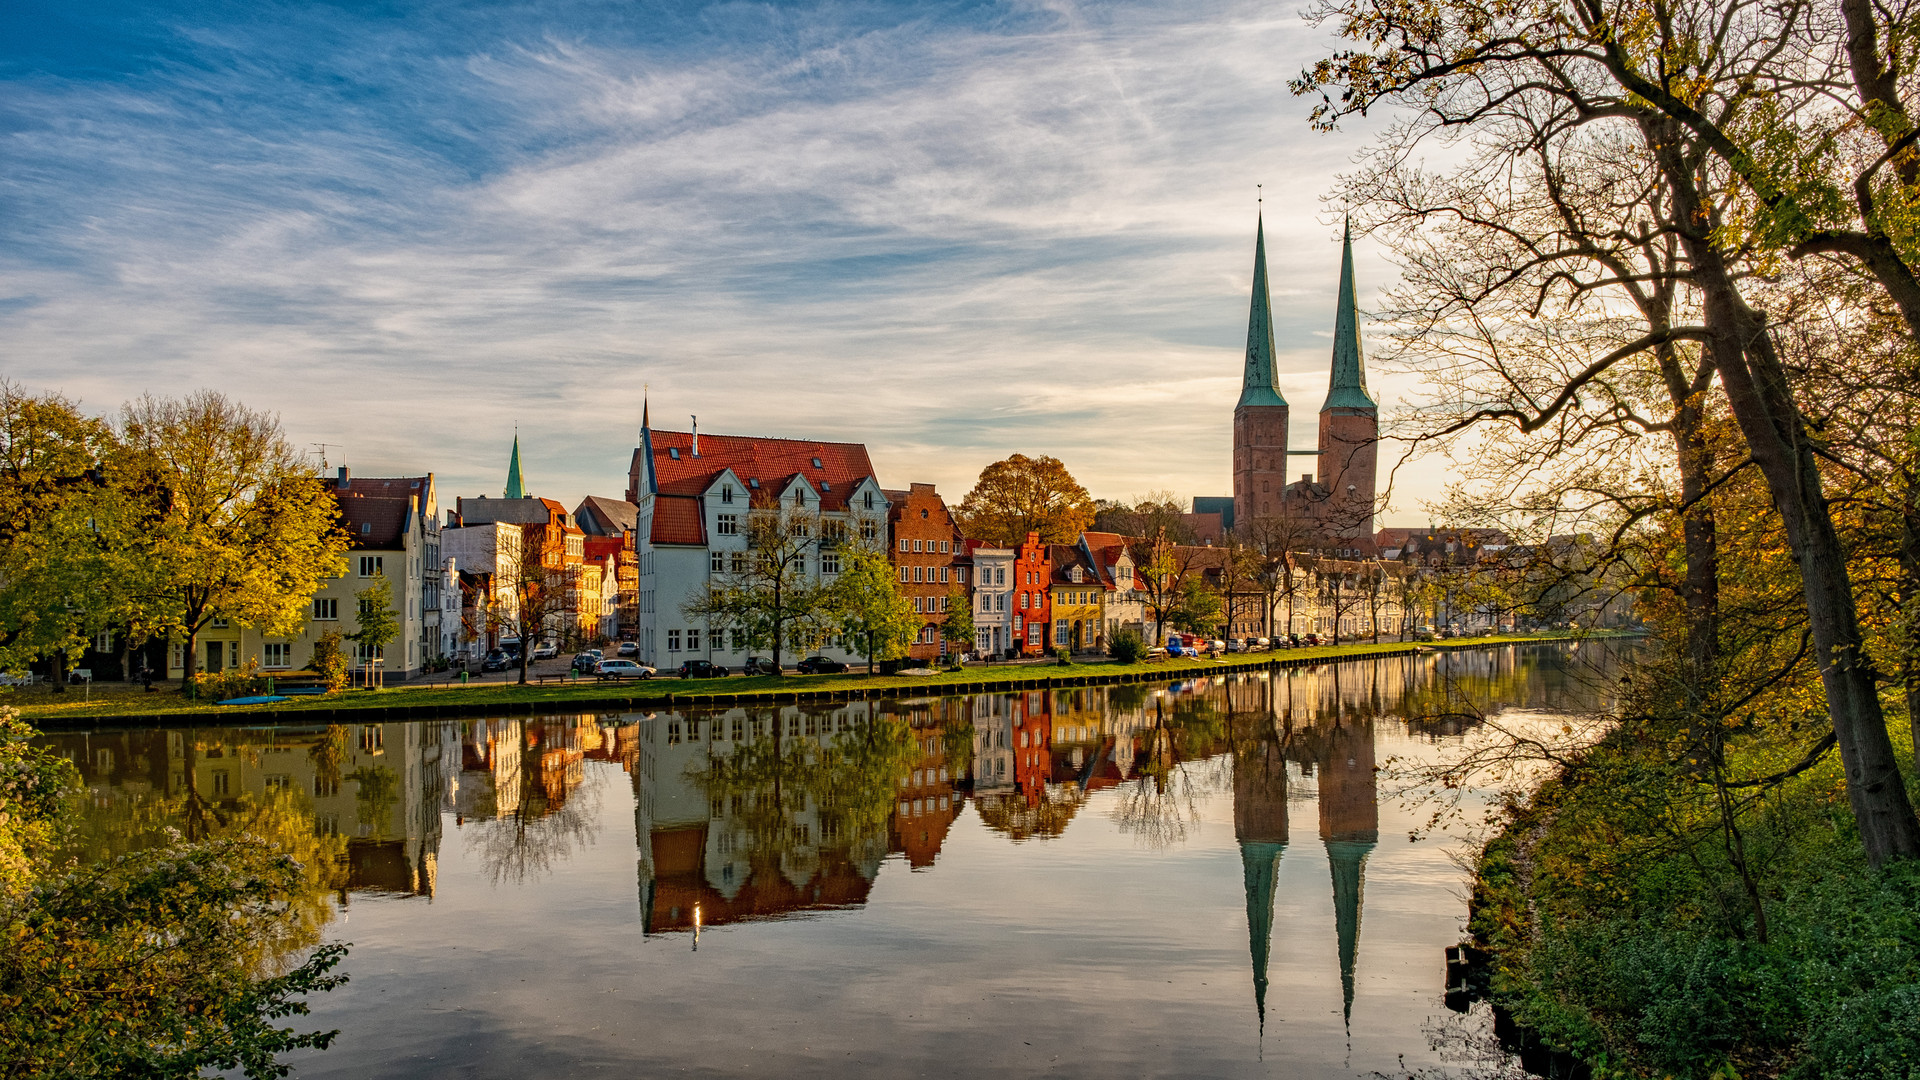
{"points": [[546, 652], [584, 660], [1424, 633], [820, 665], [1235, 644], [510, 646], [702, 669], [1261, 643], [628, 648], [1216, 646], [496, 660], [621, 669], [758, 666]]}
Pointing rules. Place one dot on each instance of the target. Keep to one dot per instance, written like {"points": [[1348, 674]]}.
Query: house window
{"points": [[999, 575], [903, 573], [1003, 602], [324, 608], [919, 573], [960, 574], [726, 494], [1060, 631], [276, 654], [868, 530], [717, 561], [945, 546], [800, 498], [943, 573], [920, 605], [103, 642], [738, 562], [693, 640], [829, 562], [220, 782], [903, 543], [177, 656], [219, 624], [727, 524], [673, 452], [1023, 601], [369, 565], [943, 603], [325, 786], [673, 641]]}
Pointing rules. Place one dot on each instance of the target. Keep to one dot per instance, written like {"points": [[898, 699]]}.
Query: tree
{"points": [[1802, 111], [1199, 610], [868, 608], [379, 623], [1020, 495], [329, 660], [240, 526], [62, 526], [958, 628], [539, 599], [1160, 539], [770, 595]]}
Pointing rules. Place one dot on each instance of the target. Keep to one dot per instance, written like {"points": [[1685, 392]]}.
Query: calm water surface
{"points": [[1199, 879]]}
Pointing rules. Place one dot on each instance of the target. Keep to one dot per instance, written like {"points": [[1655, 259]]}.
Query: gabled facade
{"points": [[993, 610], [694, 493], [929, 556], [1032, 590]]}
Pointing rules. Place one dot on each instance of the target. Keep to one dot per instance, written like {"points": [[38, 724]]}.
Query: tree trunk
{"points": [[1757, 392]]}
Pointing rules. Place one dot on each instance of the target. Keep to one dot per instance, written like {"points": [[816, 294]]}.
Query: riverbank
{"points": [[1626, 931], [69, 712]]}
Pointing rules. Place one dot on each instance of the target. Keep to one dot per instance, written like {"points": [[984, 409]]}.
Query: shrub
{"points": [[231, 683], [330, 661], [1128, 647]]}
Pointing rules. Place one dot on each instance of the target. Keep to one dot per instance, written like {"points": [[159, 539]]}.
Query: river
{"points": [[1214, 877]]}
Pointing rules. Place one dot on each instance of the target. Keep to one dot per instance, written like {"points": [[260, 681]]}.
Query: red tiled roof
{"points": [[596, 549], [373, 509], [771, 461], [677, 518], [1065, 557]]}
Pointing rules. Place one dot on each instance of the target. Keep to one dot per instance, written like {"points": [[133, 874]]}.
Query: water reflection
{"points": [[753, 814]]}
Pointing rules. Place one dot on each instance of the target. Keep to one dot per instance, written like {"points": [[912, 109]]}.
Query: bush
{"points": [[330, 660], [1128, 647], [231, 683]]}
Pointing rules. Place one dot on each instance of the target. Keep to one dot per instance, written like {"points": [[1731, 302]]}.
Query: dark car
{"points": [[819, 665], [702, 669], [584, 660], [494, 661]]}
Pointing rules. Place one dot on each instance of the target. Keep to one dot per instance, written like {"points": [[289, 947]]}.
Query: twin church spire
{"points": [[1347, 383]]}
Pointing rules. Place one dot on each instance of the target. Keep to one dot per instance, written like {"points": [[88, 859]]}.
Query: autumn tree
{"points": [[867, 606], [1772, 132], [1019, 495], [239, 528], [379, 624], [64, 530], [958, 629]]}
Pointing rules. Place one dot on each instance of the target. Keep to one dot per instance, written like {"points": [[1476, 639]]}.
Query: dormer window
{"points": [[726, 493], [869, 500], [800, 497]]}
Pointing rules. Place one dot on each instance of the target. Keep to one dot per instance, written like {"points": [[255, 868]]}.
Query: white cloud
{"points": [[951, 242]]}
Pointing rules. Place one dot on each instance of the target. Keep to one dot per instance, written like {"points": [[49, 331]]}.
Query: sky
{"points": [[950, 231]]}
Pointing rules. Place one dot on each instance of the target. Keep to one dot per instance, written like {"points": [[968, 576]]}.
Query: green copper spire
{"points": [[515, 489], [1260, 866], [1348, 388], [1348, 859], [1261, 384]]}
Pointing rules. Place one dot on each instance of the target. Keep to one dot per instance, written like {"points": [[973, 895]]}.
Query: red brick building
{"points": [[1033, 572], [929, 555]]}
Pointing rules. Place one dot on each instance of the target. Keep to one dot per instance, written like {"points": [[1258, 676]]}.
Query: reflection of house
{"points": [[378, 787], [926, 803]]}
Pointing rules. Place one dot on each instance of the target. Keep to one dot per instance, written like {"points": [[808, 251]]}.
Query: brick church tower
{"points": [[1260, 418], [1349, 426]]}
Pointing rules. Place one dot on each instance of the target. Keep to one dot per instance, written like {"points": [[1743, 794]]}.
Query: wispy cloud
{"points": [[952, 233]]}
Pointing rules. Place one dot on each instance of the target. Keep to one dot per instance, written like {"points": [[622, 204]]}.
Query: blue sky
{"points": [[951, 231]]}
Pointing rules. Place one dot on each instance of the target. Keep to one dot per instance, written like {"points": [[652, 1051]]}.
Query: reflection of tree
{"points": [[1159, 805], [523, 840], [849, 783], [956, 741], [377, 789]]}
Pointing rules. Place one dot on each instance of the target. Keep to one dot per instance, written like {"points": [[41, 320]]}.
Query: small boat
{"points": [[256, 699]]}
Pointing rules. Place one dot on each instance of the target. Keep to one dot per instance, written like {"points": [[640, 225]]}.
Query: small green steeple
{"points": [[515, 489], [1348, 387], [1261, 384]]}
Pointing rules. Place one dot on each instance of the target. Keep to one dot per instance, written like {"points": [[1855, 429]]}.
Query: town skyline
{"points": [[953, 236]]}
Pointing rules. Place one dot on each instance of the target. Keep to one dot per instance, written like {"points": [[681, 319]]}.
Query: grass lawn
{"points": [[42, 704]]}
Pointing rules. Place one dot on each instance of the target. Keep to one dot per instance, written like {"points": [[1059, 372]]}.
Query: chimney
{"points": [[696, 436], [1306, 478], [346, 479]]}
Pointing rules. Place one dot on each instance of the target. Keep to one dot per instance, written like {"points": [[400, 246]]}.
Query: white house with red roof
{"points": [[693, 492]]}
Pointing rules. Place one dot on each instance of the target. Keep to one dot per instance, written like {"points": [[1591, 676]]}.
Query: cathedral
{"points": [[1328, 509]]}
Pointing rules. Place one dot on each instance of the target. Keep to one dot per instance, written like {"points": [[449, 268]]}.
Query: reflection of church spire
{"points": [[1350, 826], [1260, 824]]}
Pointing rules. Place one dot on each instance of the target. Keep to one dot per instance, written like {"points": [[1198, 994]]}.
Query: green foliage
{"points": [[157, 964], [33, 787], [330, 660], [958, 629], [156, 956], [233, 682], [771, 597], [379, 623], [877, 621], [1199, 610], [1128, 646]]}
